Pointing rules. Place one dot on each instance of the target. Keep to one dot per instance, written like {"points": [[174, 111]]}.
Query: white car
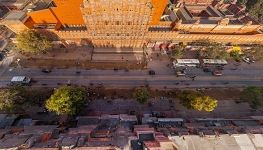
{"points": [[20, 80], [246, 59]]}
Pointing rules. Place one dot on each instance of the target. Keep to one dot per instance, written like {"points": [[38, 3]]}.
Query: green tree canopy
{"points": [[195, 100], [252, 95], [30, 41], [11, 98], [256, 52], [205, 103], [177, 52], [141, 95], [212, 50], [242, 2], [255, 9], [187, 96], [66, 100]]}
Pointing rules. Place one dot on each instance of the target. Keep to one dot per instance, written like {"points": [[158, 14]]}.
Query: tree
{"points": [[242, 2], [66, 100], [141, 95], [255, 9], [256, 52], [213, 50], [195, 100], [205, 103], [252, 95], [30, 41], [236, 55], [186, 97], [11, 98], [177, 52]]}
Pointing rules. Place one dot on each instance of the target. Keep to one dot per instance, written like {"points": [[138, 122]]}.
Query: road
{"points": [[244, 75]]}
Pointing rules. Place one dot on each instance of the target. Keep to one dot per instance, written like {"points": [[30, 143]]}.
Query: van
{"points": [[20, 80]]}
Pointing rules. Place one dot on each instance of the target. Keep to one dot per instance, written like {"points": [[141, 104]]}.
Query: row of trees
{"points": [[208, 50], [64, 100], [69, 100], [189, 99], [214, 50], [198, 101]]}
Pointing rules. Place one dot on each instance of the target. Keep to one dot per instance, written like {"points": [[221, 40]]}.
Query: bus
{"points": [[186, 63], [216, 62]]}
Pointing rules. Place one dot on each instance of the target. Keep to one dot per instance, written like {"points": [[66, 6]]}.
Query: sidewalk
{"points": [[225, 109]]}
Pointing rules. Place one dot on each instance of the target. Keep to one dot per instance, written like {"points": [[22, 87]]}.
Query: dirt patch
{"points": [[217, 93], [82, 64], [71, 58], [224, 94]]}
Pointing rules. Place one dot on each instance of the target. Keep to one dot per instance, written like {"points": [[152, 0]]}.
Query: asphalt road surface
{"points": [[241, 76]]}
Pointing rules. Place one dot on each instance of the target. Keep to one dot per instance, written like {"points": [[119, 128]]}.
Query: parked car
{"points": [[220, 67], [217, 73], [180, 73], [20, 80], [207, 69], [2, 56], [151, 72], [45, 70], [248, 59]]}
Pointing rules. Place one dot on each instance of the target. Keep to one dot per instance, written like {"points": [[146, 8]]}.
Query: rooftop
{"points": [[15, 15], [14, 4], [226, 142], [190, 14]]}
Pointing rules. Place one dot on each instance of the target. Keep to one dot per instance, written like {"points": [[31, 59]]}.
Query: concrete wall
{"points": [[163, 36], [173, 36], [217, 28]]}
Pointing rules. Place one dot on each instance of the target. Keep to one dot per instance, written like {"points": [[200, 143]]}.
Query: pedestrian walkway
{"points": [[117, 55]]}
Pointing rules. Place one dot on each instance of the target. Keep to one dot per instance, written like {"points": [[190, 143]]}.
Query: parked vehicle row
{"points": [[215, 66]]}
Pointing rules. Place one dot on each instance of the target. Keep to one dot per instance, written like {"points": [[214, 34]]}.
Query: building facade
{"points": [[134, 23], [119, 23]]}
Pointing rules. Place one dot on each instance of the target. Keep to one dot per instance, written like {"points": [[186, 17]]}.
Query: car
{"points": [[206, 69], [151, 72], [20, 80], [220, 67], [2, 56], [217, 73], [246, 59], [180, 73], [45, 70], [252, 59]]}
